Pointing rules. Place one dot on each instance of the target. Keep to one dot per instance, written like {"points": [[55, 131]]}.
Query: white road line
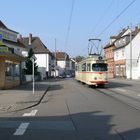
{"points": [[138, 95], [32, 113], [122, 90], [21, 129]]}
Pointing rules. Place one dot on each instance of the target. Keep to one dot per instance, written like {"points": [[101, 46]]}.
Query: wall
{"points": [[2, 75], [41, 60], [135, 55], [61, 64], [119, 54]]}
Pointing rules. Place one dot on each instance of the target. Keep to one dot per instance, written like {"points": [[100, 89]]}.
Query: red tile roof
{"points": [[62, 56], [36, 44]]}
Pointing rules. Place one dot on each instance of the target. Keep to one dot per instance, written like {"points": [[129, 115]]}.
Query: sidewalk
{"points": [[122, 80], [22, 97]]}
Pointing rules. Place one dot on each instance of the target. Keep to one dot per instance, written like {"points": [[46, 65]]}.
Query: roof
{"points": [[36, 44], [18, 43], [62, 56], [134, 33], [116, 38], [3, 26]]}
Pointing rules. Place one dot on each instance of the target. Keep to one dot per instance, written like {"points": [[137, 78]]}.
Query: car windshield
{"points": [[99, 67]]}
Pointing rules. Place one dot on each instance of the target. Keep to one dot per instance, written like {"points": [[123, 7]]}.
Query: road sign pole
{"points": [[33, 76]]}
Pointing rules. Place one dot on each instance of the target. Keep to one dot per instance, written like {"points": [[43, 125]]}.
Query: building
{"points": [[10, 57], [42, 53], [62, 63], [126, 55], [109, 52]]}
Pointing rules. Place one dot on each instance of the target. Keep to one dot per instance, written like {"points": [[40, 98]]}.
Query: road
{"points": [[74, 111]]}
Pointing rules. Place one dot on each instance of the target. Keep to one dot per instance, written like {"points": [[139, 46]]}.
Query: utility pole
{"points": [[33, 68], [130, 53], [55, 59], [33, 58]]}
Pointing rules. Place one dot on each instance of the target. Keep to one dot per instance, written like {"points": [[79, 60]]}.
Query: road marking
{"points": [[32, 113], [21, 129], [121, 89], [138, 95]]}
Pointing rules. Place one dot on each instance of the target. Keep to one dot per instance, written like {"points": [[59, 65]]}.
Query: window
{"points": [[9, 71], [16, 71], [117, 70], [89, 67], [84, 67], [99, 67], [117, 54], [122, 53], [12, 71]]}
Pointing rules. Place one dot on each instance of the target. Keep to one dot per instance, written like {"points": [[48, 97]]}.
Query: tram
{"points": [[92, 70]]}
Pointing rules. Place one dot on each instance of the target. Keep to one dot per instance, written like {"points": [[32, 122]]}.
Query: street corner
{"points": [[4, 108]]}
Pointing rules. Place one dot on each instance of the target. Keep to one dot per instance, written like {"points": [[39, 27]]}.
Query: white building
{"points": [[43, 55], [62, 63], [126, 55]]}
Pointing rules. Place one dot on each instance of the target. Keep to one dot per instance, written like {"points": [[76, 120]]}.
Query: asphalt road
{"points": [[74, 111]]}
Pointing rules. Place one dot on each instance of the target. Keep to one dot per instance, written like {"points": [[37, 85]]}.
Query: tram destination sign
{"points": [[100, 61]]}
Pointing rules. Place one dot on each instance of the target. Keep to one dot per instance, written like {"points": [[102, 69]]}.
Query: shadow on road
{"points": [[85, 126]]}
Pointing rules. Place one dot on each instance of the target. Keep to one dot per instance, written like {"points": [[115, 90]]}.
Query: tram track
{"points": [[117, 96], [125, 99]]}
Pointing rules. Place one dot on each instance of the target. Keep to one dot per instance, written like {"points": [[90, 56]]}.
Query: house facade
{"points": [[109, 53], [43, 55], [126, 55], [10, 57], [62, 63]]}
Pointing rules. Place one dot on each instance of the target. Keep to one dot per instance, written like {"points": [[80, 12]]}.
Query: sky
{"points": [[72, 28]]}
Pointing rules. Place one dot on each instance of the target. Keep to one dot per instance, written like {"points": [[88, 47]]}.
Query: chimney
{"points": [[30, 39], [20, 37]]}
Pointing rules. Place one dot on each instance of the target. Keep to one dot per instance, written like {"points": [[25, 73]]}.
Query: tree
{"points": [[79, 58], [28, 64]]}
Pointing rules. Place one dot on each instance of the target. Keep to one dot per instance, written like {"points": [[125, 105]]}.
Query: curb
{"points": [[30, 106]]}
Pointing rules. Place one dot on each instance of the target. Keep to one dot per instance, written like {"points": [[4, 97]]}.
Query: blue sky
{"points": [[49, 19]]}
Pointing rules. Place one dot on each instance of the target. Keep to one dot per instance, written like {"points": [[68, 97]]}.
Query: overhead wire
{"points": [[69, 24], [108, 26], [99, 21], [101, 17]]}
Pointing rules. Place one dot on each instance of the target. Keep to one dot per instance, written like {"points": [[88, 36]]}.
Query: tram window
{"points": [[89, 67], [99, 67], [84, 67]]}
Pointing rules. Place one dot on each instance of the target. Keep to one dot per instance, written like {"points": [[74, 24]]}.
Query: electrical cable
{"points": [[69, 24], [101, 17], [101, 33]]}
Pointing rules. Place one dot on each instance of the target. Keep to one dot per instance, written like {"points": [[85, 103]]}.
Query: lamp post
{"points": [[91, 40]]}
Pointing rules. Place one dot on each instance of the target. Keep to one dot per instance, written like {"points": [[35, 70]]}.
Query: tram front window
{"points": [[99, 67]]}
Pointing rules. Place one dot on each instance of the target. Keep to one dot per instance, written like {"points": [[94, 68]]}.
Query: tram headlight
{"points": [[95, 78]]}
